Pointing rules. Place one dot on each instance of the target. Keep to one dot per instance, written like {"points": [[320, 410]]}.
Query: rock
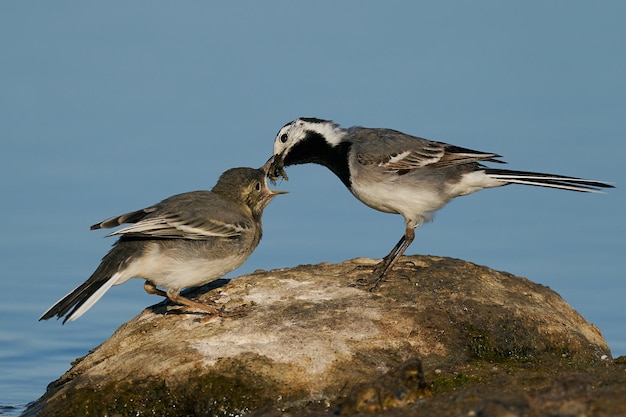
{"points": [[439, 337], [395, 389]]}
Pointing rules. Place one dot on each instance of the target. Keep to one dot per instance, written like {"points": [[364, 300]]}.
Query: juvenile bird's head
{"points": [[301, 141], [247, 186]]}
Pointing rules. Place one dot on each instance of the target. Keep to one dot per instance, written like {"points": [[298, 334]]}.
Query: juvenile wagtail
{"points": [[186, 240]]}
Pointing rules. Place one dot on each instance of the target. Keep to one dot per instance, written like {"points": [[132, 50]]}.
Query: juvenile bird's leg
{"points": [[152, 289], [175, 297]]}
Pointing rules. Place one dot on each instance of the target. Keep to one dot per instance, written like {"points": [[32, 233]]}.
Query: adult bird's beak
{"points": [[274, 168], [268, 166]]}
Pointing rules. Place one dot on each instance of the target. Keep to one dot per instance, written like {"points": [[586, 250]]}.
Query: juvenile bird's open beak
{"points": [[272, 193], [268, 169], [276, 192]]}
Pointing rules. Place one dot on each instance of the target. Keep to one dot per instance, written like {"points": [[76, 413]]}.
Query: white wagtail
{"points": [[398, 173], [186, 240]]}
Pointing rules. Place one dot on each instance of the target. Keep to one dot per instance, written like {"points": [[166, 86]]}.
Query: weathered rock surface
{"points": [[439, 337]]}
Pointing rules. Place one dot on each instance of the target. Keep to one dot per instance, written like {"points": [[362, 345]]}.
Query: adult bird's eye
{"points": [[284, 137]]}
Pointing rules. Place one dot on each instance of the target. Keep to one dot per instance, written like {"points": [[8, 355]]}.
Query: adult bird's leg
{"points": [[408, 237], [381, 267], [390, 260]]}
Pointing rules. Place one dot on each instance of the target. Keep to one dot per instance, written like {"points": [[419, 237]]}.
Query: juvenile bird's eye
{"points": [[284, 137], [257, 186]]}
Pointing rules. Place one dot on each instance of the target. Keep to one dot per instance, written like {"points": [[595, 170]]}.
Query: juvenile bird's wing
{"points": [[132, 217], [394, 151], [197, 215]]}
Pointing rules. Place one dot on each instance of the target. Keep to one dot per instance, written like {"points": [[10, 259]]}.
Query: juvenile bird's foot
{"points": [[175, 297], [238, 311], [213, 311]]}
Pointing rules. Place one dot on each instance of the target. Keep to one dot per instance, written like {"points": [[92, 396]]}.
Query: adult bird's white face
{"points": [[289, 135], [297, 133], [286, 138]]}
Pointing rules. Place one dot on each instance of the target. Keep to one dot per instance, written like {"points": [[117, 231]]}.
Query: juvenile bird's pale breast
{"points": [[181, 269]]}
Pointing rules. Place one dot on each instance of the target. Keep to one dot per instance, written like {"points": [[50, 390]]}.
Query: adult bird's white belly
{"points": [[417, 206]]}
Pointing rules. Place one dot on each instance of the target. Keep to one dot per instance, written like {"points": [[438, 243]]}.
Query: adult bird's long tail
{"points": [[548, 180]]}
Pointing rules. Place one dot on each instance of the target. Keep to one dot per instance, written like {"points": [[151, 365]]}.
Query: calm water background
{"points": [[107, 108]]}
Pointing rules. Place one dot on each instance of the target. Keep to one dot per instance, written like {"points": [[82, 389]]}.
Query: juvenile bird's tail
{"points": [[548, 180], [80, 299]]}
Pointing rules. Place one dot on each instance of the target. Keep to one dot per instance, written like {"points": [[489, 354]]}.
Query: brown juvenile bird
{"points": [[186, 240]]}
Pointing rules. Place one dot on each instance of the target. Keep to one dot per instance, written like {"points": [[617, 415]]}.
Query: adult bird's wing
{"points": [[395, 151]]}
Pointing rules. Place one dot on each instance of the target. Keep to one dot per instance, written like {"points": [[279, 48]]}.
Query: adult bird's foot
{"points": [[371, 284], [379, 273]]}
